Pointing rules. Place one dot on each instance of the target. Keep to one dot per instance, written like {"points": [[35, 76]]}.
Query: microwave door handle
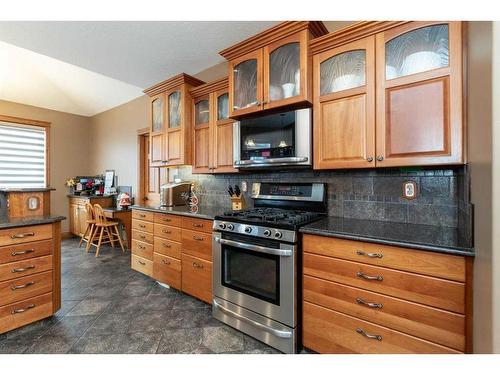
{"points": [[259, 249], [273, 161], [273, 331]]}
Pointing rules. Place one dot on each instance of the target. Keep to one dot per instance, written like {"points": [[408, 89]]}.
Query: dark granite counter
{"points": [[25, 190], [415, 236], [203, 212], [88, 196], [5, 222]]}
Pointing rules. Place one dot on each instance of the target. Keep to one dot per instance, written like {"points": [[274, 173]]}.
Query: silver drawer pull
{"points": [[142, 226], [18, 311], [142, 236], [367, 335], [141, 262], [14, 270], [196, 265], [196, 225], [141, 215], [196, 238], [165, 262], [369, 255], [15, 253], [167, 231], [166, 245], [361, 301], [367, 277], [166, 220], [22, 235], [15, 287], [141, 247]]}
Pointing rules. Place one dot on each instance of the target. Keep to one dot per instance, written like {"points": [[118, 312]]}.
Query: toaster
{"points": [[171, 193]]}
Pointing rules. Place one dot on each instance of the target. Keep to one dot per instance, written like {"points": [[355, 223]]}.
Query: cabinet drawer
{"points": [[445, 294], [24, 312], [202, 225], [25, 251], [142, 265], [143, 215], [197, 244], [142, 249], [25, 287], [13, 236], [142, 236], [25, 267], [143, 226], [167, 219], [424, 262], [167, 247], [328, 331], [167, 270], [426, 322], [168, 232], [197, 278]]}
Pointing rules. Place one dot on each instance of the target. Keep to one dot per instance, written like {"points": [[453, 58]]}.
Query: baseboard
{"points": [[66, 235]]}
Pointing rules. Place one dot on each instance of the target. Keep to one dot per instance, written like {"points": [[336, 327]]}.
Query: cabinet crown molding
{"points": [[349, 34], [170, 83], [207, 88], [282, 30]]}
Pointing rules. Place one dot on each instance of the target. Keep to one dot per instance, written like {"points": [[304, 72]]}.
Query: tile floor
{"points": [[109, 308]]}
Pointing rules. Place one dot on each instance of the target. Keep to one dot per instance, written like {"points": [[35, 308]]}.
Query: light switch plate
{"points": [[409, 190]]}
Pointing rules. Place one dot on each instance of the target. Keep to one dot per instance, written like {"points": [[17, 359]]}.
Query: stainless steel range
{"points": [[255, 261]]}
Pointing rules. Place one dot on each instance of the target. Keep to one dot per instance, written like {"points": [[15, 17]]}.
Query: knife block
{"points": [[237, 203]]}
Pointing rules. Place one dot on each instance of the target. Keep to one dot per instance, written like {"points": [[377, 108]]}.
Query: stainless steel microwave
{"points": [[278, 139]]}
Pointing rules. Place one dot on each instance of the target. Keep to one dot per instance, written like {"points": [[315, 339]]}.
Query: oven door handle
{"points": [[293, 159], [276, 332], [259, 249]]}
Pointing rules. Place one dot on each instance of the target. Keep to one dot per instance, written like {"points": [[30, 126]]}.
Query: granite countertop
{"points": [[415, 236], [204, 212], [5, 222], [25, 190], [88, 196]]}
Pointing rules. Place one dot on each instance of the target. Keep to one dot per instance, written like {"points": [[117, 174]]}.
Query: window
{"points": [[23, 153]]}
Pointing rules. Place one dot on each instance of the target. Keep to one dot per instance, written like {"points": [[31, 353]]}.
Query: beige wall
{"points": [[69, 148]]}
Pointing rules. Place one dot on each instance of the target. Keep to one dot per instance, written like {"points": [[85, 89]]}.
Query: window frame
{"points": [[37, 123]]}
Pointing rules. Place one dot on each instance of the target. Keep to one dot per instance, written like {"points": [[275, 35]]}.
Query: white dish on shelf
{"points": [[420, 62], [275, 92]]}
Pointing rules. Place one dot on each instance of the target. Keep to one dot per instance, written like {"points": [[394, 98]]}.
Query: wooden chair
{"points": [[90, 221], [105, 231]]}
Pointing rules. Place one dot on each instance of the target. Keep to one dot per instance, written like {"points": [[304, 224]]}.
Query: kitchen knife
{"points": [[237, 190], [230, 190]]}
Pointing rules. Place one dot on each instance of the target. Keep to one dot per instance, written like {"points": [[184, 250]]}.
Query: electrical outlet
{"points": [[409, 190], [244, 186]]}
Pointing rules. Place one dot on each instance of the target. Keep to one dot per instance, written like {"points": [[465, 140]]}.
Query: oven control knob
{"points": [[230, 226], [278, 234], [267, 233], [248, 229], [222, 226]]}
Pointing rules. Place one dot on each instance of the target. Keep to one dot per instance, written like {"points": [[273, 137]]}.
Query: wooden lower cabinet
{"points": [[197, 277], [167, 270], [142, 265], [78, 215], [392, 307], [24, 312]]}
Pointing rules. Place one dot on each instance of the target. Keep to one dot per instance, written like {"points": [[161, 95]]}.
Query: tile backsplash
{"points": [[442, 194]]}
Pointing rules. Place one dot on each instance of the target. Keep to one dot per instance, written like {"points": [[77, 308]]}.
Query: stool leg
{"points": [[91, 237], [111, 235], [99, 243], [83, 235], [119, 237]]}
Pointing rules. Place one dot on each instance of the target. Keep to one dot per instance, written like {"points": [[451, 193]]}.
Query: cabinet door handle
{"points": [[14, 270], [367, 277], [380, 158], [361, 301], [369, 159], [197, 238], [22, 235], [367, 335], [165, 262], [15, 287], [18, 311], [196, 265], [141, 262], [15, 253], [369, 255], [197, 225]]}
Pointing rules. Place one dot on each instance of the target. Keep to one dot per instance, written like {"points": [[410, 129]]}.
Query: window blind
{"points": [[22, 156]]}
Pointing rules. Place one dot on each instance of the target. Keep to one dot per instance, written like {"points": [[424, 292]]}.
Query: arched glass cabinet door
{"points": [[223, 107], [201, 112], [157, 114], [174, 110], [284, 72], [344, 71], [245, 84], [417, 51]]}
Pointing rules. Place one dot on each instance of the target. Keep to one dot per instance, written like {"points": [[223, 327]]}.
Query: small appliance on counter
{"points": [[171, 193]]}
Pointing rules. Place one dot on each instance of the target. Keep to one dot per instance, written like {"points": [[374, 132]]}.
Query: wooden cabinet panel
{"points": [[428, 323], [197, 278], [25, 287], [14, 236], [167, 270], [193, 223], [142, 226], [174, 148], [27, 311], [142, 249], [167, 247], [328, 331], [142, 236], [445, 294], [143, 215], [197, 244], [201, 162], [157, 150], [25, 267], [223, 139], [168, 232], [142, 265], [25, 251], [167, 219], [418, 261]]}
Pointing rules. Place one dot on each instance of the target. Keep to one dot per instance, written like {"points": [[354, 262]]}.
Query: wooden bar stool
{"points": [[105, 231], [90, 221]]}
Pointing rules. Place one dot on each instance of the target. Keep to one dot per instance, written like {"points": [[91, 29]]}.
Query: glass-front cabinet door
{"points": [[245, 83], [202, 146], [157, 130], [223, 134], [344, 114], [419, 91], [174, 131]]}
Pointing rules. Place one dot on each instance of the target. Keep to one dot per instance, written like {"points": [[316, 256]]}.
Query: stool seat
{"points": [[105, 231]]}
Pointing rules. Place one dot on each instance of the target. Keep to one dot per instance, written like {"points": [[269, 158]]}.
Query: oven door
{"points": [[257, 274]]}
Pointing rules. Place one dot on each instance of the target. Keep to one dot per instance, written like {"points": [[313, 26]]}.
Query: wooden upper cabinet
{"points": [[344, 111], [271, 69], [388, 94], [171, 136], [212, 129], [419, 94]]}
